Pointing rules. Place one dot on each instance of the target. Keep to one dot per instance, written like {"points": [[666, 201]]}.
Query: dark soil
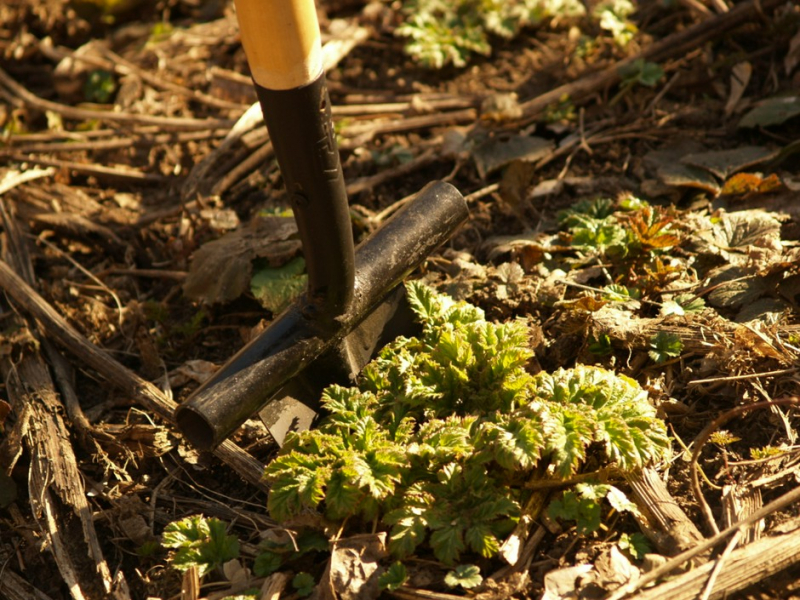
{"points": [[110, 250]]}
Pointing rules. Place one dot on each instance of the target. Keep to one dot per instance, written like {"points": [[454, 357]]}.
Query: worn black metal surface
{"points": [[297, 338], [302, 135]]}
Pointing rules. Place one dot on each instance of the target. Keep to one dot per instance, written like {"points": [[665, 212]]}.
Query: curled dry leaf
{"points": [[353, 569], [740, 77]]}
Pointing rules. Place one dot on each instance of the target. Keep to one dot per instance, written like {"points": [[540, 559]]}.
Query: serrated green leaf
{"points": [[303, 583], [266, 563], [592, 491], [409, 529], [636, 543], [571, 432], [394, 577], [219, 547], [276, 287], [343, 495], [482, 540], [200, 542], [574, 507], [665, 346], [466, 576], [185, 533], [448, 542]]}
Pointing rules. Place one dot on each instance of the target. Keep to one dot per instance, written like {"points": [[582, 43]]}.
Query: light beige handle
{"points": [[282, 42]]}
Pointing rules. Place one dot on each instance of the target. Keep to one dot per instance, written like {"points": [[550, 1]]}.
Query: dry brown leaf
{"points": [[353, 569], [221, 270], [740, 77]]}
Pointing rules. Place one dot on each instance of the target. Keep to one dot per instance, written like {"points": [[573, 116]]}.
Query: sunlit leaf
{"points": [[276, 287], [394, 577], [466, 576]]}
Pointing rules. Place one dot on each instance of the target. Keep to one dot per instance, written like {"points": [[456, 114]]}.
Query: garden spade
{"points": [[354, 302]]}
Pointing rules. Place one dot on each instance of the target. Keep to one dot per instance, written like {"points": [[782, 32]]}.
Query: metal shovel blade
{"points": [[292, 346], [296, 405]]}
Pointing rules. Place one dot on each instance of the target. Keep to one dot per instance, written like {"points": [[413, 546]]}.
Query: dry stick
{"points": [[143, 391], [467, 115], [55, 486], [712, 577], [113, 144], [83, 114], [744, 567], [744, 377], [95, 170], [114, 62], [148, 273], [672, 45], [48, 136], [367, 183], [239, 171], [776, 505], [13, 178], [703, 438], [122, 65]]}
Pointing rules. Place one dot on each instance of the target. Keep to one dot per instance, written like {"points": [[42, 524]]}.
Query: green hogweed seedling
{"points": [[664, 346], [442, 432], [450, 31], [465, 576], [199, 542], [582, 505]]}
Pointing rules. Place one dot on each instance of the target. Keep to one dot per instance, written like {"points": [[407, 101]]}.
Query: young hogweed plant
{"points": [[450, 31], [443, 430]]}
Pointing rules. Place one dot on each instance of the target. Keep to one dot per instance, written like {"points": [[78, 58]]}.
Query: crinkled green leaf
{"points": [[619, 501], [482, 540], [465, 576], [664, 346], [303, 583], [394, 577], [448, 543], [583, 509], [409, 529], [636, 543], [266, 563], [200, 542], [276, 287]]}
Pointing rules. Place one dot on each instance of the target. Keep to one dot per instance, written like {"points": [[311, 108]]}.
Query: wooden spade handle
{"points": [[282, 41]]}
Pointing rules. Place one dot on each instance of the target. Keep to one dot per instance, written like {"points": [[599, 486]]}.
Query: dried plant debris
{"points": [[685, 165], [222, 269], [772, 111], [497, 152]]}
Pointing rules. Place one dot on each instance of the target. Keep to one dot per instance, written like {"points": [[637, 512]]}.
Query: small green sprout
{"points": [[199, 542], [642, 72], [465, 576], [664, 346], [635, 543], [100, 87], [601, 345], [766, 452], [723, 438], [303, 583], [394, 577]]}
